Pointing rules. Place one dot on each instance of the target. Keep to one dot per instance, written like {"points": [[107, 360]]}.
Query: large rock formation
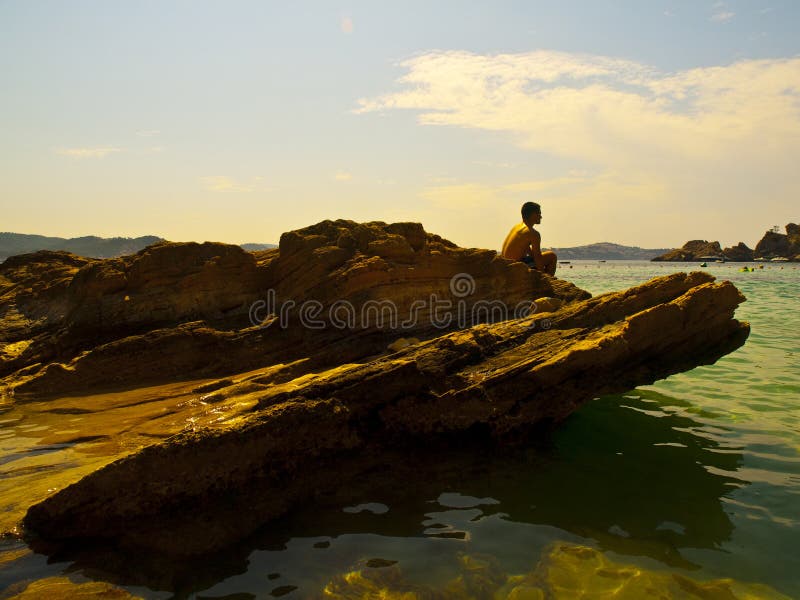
{"points": [[309, 395], [69, 323], [306, 431], [779, 245]]}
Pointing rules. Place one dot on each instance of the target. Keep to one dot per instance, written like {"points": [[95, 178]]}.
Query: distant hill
{"points": [[608, 251], [91, 246], [255, 247]]}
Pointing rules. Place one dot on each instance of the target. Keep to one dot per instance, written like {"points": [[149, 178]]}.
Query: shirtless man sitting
{"points": [[524, 243]]}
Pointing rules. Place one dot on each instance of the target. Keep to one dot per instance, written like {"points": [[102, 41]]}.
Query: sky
{"points": [[641, 123]]}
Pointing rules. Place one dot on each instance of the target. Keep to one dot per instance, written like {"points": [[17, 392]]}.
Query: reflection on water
{"points": [[622, 474], [565, 571]]}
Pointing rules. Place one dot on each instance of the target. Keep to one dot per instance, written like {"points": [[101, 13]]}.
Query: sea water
{"points": [[698, 474]]}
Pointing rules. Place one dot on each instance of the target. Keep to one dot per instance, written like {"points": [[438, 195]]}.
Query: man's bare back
{"points": [[519, 240], [524, 243]]}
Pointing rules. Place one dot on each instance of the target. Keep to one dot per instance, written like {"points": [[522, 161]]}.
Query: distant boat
{"points": [[780, 259], [760, 259], [563, 262], [712, 258], [702, 264], [601, 261]]}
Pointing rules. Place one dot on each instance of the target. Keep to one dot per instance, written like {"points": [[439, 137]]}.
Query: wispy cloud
{"points": [[100, 152], [721, 13], [223, 183], [606, 110], [715, 136], [343, 176], [722, 16], [346, 25], [148, 132]]}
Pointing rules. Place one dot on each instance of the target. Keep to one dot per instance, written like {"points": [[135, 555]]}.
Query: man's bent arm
{"points": [[536, 250]]}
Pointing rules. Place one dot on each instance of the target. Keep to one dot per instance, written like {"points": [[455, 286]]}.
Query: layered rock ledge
{"points": [[304, 430]]}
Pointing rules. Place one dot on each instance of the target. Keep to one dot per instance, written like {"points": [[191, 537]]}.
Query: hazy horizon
{"points": [[648, 125]]}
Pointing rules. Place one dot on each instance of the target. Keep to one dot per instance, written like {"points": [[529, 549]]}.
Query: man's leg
{"points": [[550, 262]]}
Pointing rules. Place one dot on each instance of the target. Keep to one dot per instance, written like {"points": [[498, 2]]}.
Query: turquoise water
{"points": [[698, 474]]}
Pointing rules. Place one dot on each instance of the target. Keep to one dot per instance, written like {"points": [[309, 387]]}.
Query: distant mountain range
{"points": [[256, 247], [608, 251], [91, 245]]}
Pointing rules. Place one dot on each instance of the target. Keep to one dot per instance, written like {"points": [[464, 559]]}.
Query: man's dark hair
{"points": [[530, 208]]}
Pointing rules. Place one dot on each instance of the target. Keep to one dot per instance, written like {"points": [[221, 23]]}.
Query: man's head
{"points": [[531, 213]]}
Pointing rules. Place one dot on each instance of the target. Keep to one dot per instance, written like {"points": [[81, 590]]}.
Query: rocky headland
{"points": [[774, 245], [283, 385]]}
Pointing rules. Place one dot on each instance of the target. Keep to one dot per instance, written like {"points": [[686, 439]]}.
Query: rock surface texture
{"points": [[304, 431], [187, 310]]}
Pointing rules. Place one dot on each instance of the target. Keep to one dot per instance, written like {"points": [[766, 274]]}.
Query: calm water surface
{"points": [[698, 474]]}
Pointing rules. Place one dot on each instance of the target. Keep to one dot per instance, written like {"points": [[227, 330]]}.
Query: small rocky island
{"points": [[773, 246], [286, 355]]}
